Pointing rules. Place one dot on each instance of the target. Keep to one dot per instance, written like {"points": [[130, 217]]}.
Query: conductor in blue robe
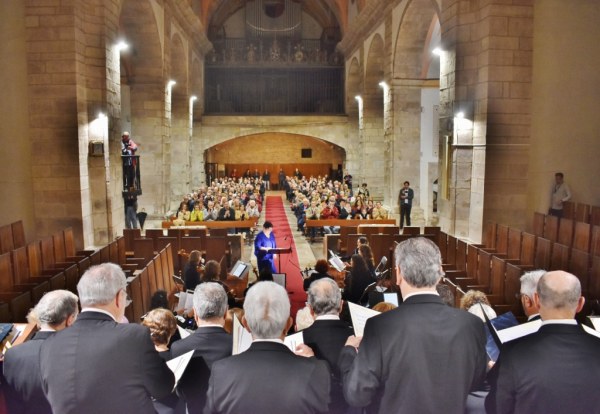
{"points": [[263, 243]]}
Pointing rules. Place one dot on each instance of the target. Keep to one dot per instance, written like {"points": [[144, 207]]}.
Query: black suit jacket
{"points": [[555, 370], [327, 338], [100, 366], [268, 378], [422, 357], [209, 344], [23, 387]]}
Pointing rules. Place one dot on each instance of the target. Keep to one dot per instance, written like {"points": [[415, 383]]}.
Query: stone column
{"points": [[407, 141], [486, 76]]}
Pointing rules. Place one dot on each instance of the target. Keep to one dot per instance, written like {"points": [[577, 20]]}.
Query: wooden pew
{"points": [[542, 253], [580, 267], [538, 224], [6, 239], [40, 285], [565, 232], [582, 236], [551, 228], [18, 232], [130, 235], [582, 212], [415, 231], [512, 288], [559, 259], [595, 216], [241, 224], [346, 223], [513, 250], [569, 209]]}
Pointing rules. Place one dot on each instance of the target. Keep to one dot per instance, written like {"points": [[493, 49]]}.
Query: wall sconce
{"points": [[437, 51], [171, 84], [384, 85]]}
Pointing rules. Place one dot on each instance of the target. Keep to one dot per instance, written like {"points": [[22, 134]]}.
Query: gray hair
{"points": [[100, 284], [420, 262], [529, 282], [266, 309], [54, 308], [559, 290], [210, 300], [324, 297]]}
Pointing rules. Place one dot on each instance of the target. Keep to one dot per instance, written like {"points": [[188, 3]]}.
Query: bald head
{"points": [[558, 295]]}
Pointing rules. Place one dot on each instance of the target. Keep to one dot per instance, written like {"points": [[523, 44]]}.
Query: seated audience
{"points": [[330, 212], [210, 343], [555, 370], [23, 391], [183, 215], [397, 365], [113, 367], [321, 269], [476, 302], [268, 377], [197, 214], [328, 334], [378, 212], [210, 213], [162, 325]]}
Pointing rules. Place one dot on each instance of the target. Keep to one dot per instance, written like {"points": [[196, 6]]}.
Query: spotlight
{"points": [[358, 98], [460, 115], [193, 98], [171, 83], [383, 84], [122, 45], [437, 51]]}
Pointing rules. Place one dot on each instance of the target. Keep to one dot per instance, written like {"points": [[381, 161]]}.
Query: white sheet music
{"points": [[518, 331], [591, 331], [184, 333], [359, 315], [242, 339], [292, 341], [595, 320], [179, 364]]}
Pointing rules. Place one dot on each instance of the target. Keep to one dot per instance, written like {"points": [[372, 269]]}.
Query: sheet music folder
{"points": [[285, 250]]}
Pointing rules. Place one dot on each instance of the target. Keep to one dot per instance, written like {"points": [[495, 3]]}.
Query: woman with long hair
{"points": [[357, 280]]}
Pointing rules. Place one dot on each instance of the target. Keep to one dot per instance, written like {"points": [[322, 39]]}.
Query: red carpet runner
{"points": [[289, 262]]}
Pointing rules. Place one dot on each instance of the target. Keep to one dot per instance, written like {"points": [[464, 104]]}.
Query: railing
{"points": [[132, 183]]}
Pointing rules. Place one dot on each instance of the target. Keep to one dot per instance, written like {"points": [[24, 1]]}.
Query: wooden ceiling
{"points": [[328, 13]]}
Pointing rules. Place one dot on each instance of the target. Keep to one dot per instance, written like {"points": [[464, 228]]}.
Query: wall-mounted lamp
{"points": [[171, 84], [460, 115], [383, 85], [358, 98], [101, 115], [122, 45], [193, 98], [437, 51]]}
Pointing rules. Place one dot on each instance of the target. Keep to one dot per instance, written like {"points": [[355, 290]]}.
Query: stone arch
{"points": [[278, 150], [353, 87], [197, 84], [179, 68], [142, 62], [411, 52], [374, 73]]}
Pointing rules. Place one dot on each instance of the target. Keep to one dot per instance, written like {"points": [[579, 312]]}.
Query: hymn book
{"points": [[179, 364], [359, 316]]}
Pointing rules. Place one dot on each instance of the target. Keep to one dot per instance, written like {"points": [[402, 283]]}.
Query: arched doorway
{"points": [[274, 151]]}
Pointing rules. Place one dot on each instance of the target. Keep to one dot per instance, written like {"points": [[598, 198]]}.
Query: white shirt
{"points": [[327, 318], [428, 292], [91, 309]]}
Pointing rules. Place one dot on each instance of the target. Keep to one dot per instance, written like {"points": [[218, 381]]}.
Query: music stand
{"points": [[279, 252]]}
